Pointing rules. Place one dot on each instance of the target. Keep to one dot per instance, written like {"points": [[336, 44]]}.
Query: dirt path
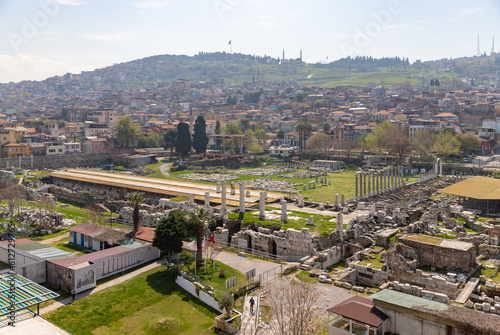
{"points": [[164, 168], [54, 239]]}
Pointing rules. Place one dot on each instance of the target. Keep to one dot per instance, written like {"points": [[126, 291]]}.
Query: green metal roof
{"points": [[44, 251], [27, 293], [407, 300]]}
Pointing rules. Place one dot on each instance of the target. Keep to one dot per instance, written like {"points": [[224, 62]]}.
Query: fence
{"points": [[270, 275], [279, 258]]}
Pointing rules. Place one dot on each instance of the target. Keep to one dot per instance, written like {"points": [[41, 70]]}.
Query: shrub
{"points": [[222, 273]]}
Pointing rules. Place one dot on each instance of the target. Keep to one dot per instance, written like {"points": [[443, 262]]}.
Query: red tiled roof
{"points": [[87, 229], [360, 309], [20, 241], [145, 234], [72, 261]]}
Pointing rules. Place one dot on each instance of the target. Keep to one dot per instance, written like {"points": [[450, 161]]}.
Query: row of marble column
{"points": [[20, 158], [378, 182]]}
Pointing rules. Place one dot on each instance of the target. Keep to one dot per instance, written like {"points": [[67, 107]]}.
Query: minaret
{"points": [[478, 49], [283, 54], [493, 46], [301, 54]]}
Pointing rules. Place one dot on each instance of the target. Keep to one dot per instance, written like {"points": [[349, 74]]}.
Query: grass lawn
{"points": [[322, 224], [341, 183], [375, 263], [488, 273], [304, 276], [150, 303], [66, 246], [211, 277]]}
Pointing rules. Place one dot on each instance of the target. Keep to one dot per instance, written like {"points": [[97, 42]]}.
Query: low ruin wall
{"points": [[58, 161]]}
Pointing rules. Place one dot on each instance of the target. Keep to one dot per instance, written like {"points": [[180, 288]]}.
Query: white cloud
{"points": [[469, 11], [71, 2], [266, 21], [38, 67], [123, 36], [151, 4]]}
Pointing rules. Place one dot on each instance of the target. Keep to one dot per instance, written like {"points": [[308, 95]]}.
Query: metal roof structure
{"points": [[26, 294], [161, 186], [483, 188], [399, 299]]}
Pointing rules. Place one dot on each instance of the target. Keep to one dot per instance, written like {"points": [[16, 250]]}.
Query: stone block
{"points": [[478, 306], [346, 285], [486, 307], [359, 289], [263, 230], [337, 283], [441, 297], [469, 304]]}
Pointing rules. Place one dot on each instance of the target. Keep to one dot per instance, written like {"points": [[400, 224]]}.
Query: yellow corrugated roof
{"points": [[476, 188]]}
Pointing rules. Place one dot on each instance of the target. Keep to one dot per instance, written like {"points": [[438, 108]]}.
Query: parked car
{"points": [[467, 160]]}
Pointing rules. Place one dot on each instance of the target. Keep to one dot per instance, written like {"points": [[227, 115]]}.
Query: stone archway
{"points": [[272, 247]]}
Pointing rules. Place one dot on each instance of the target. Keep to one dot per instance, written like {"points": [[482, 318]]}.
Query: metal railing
{"points": [[279, 258]]}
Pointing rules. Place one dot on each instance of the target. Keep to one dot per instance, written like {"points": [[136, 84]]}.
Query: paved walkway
{"points": [[110, 283], [244, 264], [247, 317], [466, 292]]}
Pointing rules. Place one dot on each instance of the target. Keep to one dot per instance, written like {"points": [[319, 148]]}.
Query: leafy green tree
{"points": [[127, 132], [217, 127], [326, 127], [446, 144], [319, 141], [135, 198], [200, 138], [423, 143], [468, 142], [400, 146], [261, 136], [304, 129], [170, 233], [183, 144], [170, 139], [280, 134], [231, 100], [244, 124], [198, 220], [253, 97], [384, 133], [226, 302]]}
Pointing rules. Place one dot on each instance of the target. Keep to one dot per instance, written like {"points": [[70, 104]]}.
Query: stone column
{"points": [[262, 205], [377, 177], [19, 162], [31, 162], [217, 188], [242, 197], [300, 201], [207, 199], [440, 167], [340, 226], [369, 185], [233, 188], [310, 221], [223, 208], [342, 202], [356, 187], [364, 185], [336, 200], [372, 210], [191, 200], [373, 183], [284, 217]]}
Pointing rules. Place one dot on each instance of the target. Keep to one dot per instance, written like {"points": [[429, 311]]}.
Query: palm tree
{"points": [[135, 198], [199, 218]]}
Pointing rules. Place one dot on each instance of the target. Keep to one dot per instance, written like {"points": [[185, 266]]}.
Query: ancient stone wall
{"points": [[442, 257], [59, 161]]}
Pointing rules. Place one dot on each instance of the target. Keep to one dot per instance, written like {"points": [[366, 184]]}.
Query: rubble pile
{"points": [[274, 185], [141, 171], [212, 177]]}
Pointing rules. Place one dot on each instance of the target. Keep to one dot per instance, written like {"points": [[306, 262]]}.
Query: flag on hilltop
{"points": [[212, 239], [229, 43]]}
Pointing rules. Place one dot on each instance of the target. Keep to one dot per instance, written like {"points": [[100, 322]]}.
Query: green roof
{"points": [[407, 300], [27, 293], [44, 251]]}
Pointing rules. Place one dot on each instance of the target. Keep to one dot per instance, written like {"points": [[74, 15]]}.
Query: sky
{"points": [[43, 38]]}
